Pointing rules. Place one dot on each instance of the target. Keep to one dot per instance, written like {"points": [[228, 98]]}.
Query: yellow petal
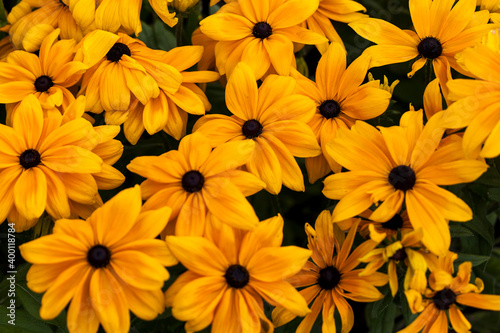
{"points": [[30, 193]]}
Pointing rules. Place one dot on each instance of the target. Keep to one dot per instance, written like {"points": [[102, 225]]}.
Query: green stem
{"points": [[429, 72], [178, 31]]}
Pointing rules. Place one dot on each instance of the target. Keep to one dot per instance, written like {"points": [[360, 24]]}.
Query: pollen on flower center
{"points": [[399, 255], [117, 51], [329, 277], [444, 299], [192, 181], [262, 30], [237, 276], [430, 48], [29, 158], [329, 109], [252, 129], [402, 178], [43, 83], [395, 223], [98, 256]]}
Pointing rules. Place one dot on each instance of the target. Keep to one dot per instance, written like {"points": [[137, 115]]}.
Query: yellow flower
{"points": [[260, 33], [476, 103], [183, 5], [30, 28], [169, 111], [441, 32], [493, 6], [340, 99], [44, 162], [47, 77], [230, 272], [160, 7], [121, 69], [446, 293], [385, 85], [393, 254], [345, 11], [331, 278], [272, 117], [105, 266], [402, 163], [195, 180]]}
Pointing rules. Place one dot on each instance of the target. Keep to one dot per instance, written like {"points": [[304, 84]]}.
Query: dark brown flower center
{"points": [[329, 277], [192, 181], [399, 255], [430, 48], [252, 129], [444, 299], [402, 178], [329, 109], [29, 158], [43, 83], [117, 51], [262, 30], [237, 276], [395, 223], [98, 256]]}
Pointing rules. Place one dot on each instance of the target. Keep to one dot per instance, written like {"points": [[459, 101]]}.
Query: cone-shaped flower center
{"points": [[116, 52], [329, 109], [430, 48], [444, 299], [329, 277], [402, 178], [252, 129], [98, 256], [262, 30], [192, 181], [395, 223], [43, 83], [399, 255], [237, 276], [29, 158]]}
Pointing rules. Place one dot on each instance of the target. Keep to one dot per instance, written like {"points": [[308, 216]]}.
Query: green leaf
{"points": [[23, 322], [457, 230], [494, 194], [3, 16], [474, 259]]}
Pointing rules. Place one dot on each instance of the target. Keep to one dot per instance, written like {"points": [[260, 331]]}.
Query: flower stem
{"points": [[178, 31]]}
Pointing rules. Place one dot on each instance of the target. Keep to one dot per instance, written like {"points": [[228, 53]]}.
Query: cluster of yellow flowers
{"points": [[71, 74]]}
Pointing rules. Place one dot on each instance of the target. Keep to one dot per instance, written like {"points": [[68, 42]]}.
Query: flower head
{"points": [[441, 32], [45, 163], [274, 118], [94, 264], [230, 272], [331, 276], [402, 163], [195, 180], [47, 76], [340, 99], [445, 295], [260, 33]]}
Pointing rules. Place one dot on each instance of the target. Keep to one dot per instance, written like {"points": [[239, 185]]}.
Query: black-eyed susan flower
{"points": [[340, 99], [402, 163], [404, 251], [169, 111], [40, 160], [446, 296], [28, 32], [493, 7], [441, 32], [119, 72], [105, 266], [260, 33], [477, 101], [331, 277], [320, 21], [274, 118], [47, 76], [195, 180], [230, 273]]}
